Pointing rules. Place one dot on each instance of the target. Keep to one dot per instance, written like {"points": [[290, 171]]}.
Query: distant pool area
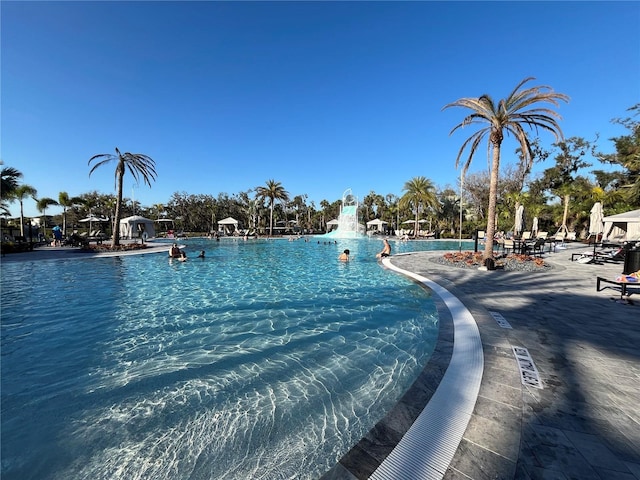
{"points": [[268, 359]]}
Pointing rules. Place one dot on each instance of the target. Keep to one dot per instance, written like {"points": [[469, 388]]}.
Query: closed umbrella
{"points": [[596, 222], [534, 227], [519, 225]]}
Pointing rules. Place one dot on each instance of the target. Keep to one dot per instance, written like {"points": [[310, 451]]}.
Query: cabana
{"points": [[378, 224], [228, 226], [136, 227], [331, 224], [623, 226]]}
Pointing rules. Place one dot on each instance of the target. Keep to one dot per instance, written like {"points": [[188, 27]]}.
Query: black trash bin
{"points": [[632, 260]]}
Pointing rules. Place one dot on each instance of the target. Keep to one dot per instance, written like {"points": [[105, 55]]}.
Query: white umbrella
{"points": [[519, 225], [534, 227], [92, 218], [596, 223], [596, 220]]}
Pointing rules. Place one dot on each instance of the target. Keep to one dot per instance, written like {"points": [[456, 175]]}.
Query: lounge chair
{"points": [[625, 284], [597, 256]]}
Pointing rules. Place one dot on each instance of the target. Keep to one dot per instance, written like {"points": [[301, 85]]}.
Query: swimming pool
{"points": [[267, 359]]}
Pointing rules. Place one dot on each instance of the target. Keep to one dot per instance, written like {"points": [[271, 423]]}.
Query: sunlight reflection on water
{"points": [[268, 359]]}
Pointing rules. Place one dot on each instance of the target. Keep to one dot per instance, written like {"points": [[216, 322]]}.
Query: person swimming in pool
{"points": [[386, 249], [344, 256]]}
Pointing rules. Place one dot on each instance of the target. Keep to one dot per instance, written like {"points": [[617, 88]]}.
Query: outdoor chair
{"points": [[507, 246], [535, 248], [598, 256]]}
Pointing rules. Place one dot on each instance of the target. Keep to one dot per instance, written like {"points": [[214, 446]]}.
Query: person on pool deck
{"points": [[174, 252], [386, 249], [344, 256]]}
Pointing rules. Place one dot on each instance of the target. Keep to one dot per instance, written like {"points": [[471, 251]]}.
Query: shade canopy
{"points": [[136, 227], [228, 225], [93, 218], [376, 222], [622, 226]]}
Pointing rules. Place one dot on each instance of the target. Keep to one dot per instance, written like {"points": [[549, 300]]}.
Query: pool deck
{"points": [[584, 423]]}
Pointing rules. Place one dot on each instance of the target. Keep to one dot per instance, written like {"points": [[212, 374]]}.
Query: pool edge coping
{"points": [[428, 446]]}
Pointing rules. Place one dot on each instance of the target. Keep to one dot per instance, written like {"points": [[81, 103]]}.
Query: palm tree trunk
{"points": [[493, 197], [415, 225], [21, 219], [116, 221], [567, 197], [271, 219]]}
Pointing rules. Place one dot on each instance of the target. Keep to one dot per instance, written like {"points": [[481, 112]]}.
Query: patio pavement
{"points": [[584, 423]]}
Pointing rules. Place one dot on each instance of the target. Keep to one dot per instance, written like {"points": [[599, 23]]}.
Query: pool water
{"points": [[267, 359]]}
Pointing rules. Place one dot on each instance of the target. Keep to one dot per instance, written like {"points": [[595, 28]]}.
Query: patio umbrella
{"points": [[596, 223], [519, 225], [92, 218], [534, 227]]}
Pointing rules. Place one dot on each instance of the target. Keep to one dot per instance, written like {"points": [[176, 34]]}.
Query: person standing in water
{"points": [[344, 256]]}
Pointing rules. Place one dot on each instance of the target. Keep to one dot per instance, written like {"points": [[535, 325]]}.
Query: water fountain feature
{"points": [[348, 226]]}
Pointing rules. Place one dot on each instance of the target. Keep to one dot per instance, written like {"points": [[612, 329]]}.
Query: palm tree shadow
{"points": [[583, 423]]}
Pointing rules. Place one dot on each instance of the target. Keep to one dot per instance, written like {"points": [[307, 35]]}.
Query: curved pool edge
{"points": [[419, 437]]}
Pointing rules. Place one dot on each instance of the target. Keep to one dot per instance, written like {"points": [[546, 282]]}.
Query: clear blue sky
{"points": [[320, 96]]}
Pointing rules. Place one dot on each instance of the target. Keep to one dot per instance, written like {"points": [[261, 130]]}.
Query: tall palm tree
{"points": [[20, 193], [9, 177], [419, 192], [273, 191], [509, 115], [42, 204], [139, 165], [67, 202]]}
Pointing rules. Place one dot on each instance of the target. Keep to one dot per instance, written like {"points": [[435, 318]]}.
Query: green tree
{"points": [[273, 191], [561, 179], [510, 115], [10, 181], [42, 204], [67, 202], [419, 194], [627, 156], [20, 193], [140, 166]]}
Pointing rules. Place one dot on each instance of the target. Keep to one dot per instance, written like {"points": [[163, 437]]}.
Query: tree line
{"points": [[561, 197]]}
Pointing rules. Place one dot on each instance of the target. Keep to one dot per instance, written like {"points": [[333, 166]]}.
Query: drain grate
{"points": [[528, 371], [500, 320]]}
